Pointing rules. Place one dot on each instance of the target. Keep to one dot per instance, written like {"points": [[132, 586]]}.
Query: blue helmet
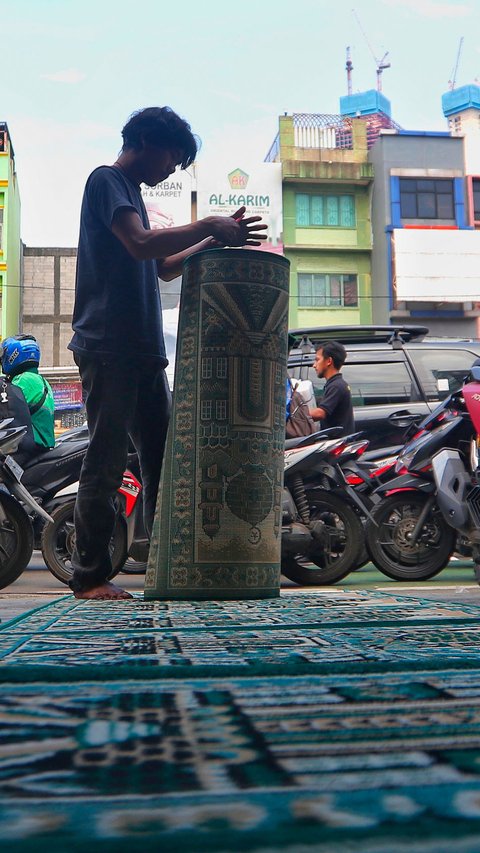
{"points": [[19, 353]]}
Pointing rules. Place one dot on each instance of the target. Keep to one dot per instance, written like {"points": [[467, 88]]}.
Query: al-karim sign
{"points": [[221, 191], [168, 204]]}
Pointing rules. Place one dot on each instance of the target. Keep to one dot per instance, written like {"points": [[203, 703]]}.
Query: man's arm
{"points": [[144, 244], [318, 414], [171, 267]]}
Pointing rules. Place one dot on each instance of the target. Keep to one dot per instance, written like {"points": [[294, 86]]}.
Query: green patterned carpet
{"points": [[312, 723]]}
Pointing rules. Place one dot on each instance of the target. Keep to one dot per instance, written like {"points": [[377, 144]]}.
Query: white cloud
{"points": [[57, 155], [69, 75], [433, 8]]}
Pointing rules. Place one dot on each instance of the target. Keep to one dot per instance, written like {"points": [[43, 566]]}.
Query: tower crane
{"points": [[452, 81], [349, 69], [380, 63]]}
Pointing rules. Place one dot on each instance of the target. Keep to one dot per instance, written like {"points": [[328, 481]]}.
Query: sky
{"points": [[73, 71]]}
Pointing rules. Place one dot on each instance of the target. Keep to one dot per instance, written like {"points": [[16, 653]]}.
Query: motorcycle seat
{"points": [[55, 454]]}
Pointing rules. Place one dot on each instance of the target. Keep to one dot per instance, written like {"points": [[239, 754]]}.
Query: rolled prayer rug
{"points": [[218, 521]]}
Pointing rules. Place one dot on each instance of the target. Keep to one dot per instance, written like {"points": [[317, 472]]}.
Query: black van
{"points": [[397, 374]]}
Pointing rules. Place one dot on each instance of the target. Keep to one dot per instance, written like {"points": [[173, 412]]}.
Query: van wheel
{"points": [[58, 541]]}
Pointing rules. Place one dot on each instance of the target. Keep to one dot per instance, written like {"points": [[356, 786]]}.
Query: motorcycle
{"points": [[16, 503], [48, 473], [322, 534], [129, 543], [410, 540], [456, 472]]}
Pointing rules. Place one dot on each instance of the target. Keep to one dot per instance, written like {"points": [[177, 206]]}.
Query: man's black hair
{"points": [[334, 350], [162, 127]]}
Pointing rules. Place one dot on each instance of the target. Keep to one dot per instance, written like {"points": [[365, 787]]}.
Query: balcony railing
{"points": [[324, 130]]}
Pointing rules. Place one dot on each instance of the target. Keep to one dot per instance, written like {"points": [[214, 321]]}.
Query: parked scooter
{"points": [[411, 539], [47, 474], [322, 534], [16, 502], [129, 543], [456, 472]]}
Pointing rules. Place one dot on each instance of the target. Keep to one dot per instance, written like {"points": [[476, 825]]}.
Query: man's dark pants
{"points": [[121, 401]]}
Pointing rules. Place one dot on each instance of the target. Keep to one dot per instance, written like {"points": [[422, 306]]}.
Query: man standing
{"points": [[118, 340], [336, 405]]}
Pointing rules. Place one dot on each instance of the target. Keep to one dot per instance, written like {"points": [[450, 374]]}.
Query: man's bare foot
{"points": [[105, 592]]}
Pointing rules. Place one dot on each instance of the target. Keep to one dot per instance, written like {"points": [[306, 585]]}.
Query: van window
{"points": [[373, 384], [441, 371]]}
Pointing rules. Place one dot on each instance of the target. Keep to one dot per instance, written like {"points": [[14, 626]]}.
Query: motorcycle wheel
{"points": [[58, 540], [16, 539], [345, 544], [389, 545], [134, 567]]}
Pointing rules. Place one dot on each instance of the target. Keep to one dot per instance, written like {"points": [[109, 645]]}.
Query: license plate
{"points": [[13, 467]]}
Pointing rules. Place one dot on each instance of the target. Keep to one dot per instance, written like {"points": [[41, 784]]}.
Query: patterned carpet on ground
{"points": [[312, 723]]}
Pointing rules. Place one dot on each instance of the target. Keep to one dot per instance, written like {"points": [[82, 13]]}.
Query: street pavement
{"points": [[37, 586]]}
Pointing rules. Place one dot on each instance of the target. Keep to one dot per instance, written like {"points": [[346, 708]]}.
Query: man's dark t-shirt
{"points": [[337, 402], [117, 300]]}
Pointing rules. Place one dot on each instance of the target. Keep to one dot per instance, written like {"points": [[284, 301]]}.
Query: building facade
{"points": [[421, 261], [10, 246], [426, 222], [46, 312], [327, 230]]}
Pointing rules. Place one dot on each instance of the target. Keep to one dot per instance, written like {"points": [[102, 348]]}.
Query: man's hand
{"points": [[237, 231]]}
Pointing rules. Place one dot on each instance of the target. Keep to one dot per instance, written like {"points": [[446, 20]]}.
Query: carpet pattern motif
{"points": [[298, 634], [336, 758]]}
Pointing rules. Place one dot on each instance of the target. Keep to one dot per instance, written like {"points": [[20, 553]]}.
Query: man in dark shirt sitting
{"points": [[336, 407]]}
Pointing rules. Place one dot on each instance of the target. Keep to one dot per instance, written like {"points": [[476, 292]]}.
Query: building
{"points": [[47, 303], [420, 227], [10, 246], [327, 230], [461, 107], [426, 252]]}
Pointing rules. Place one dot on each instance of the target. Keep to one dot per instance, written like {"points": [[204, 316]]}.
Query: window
{"points": [[476, 199], [222, 365], [426, 198], [207, 368], [455, 124], [220, 410], [1, 229], [373, 384], [442, 371], [325, 210], [325, 290], [206, 410]]}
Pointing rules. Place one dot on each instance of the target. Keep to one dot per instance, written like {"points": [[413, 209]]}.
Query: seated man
{"points": [[20, 359]]}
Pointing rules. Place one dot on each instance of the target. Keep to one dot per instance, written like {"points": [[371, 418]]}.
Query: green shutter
{"points": [[302, 210], [347, 211], [316, 204]]}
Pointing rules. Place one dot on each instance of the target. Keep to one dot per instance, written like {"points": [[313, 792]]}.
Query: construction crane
{"points": [[380, 63], [452, 81], [349, 69]]}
